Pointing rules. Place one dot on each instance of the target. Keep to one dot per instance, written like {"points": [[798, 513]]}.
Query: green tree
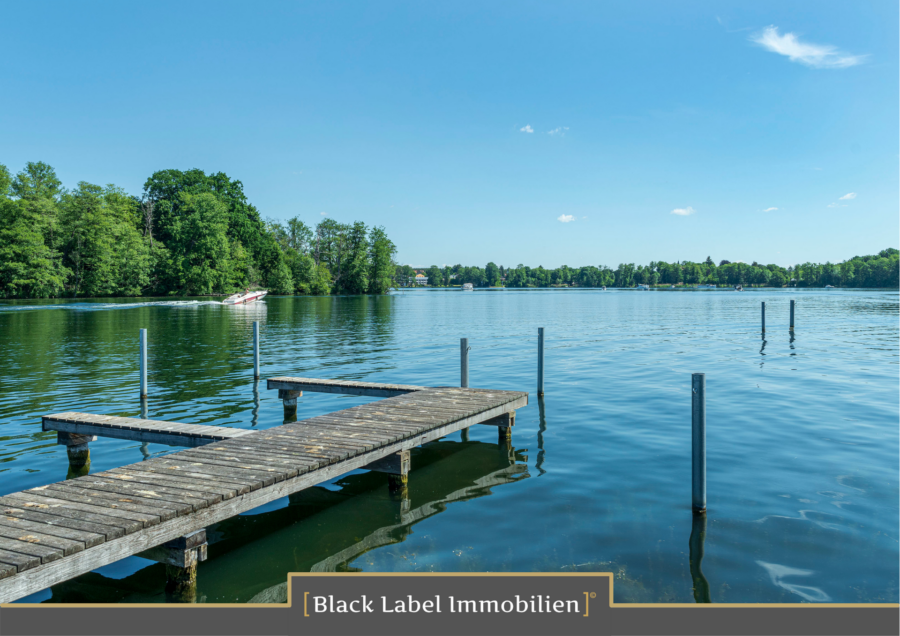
{"points": [[492, 275], [198, 244], [435, 277]]}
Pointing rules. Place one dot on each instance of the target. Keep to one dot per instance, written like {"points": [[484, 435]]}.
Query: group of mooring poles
{"points": [[698, 403], [464, 349], [793, 305]]}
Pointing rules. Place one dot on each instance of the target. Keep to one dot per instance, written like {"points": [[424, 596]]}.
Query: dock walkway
{"points": [[56, 532]]}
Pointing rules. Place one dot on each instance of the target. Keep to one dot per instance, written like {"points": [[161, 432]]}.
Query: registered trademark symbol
{"points": [[593, 595]]}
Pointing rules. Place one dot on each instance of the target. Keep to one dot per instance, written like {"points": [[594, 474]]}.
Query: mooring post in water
{"points": [[256, 350], [764, 316], [540, 390], [792, 315], [143, 363], [698, 442], [464, 363]]}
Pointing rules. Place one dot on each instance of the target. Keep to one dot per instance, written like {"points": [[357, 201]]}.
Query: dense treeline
{"points": [[880, 270], [189, 234]]}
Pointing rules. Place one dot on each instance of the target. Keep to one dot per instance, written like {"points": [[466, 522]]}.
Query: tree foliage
{"points": [[880, 270], [188, 234]]}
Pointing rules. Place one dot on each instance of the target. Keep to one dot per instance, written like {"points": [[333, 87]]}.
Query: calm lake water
{"points": [[802, 435]]}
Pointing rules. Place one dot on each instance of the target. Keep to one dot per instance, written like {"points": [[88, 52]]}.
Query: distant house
{"points": [[421, 279]]}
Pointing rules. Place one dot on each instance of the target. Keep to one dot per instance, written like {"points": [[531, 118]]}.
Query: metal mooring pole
{"points": [[464, 363], [698, 442], [792, 314], [764, 317], [540, 361], [256, 350], [143, 363]]}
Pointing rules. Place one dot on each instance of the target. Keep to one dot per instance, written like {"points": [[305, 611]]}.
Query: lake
{"points": [[802, 434]]}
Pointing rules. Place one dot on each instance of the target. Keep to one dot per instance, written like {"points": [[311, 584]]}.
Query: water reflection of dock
{"points": [[320, 529]]}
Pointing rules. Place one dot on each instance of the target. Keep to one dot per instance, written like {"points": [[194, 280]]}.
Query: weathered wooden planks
{"points": [[345, 387], [55, 532], [139, 430]]}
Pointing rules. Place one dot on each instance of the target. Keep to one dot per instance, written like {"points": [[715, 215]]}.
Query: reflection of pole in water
{"points": [[698, 537], [255, 418], [541, 429], [762, 351], [144, 416]]}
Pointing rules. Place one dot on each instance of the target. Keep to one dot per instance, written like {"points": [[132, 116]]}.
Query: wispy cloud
{"points": [[526, 129], [324, 213], [814, 55], [684, 211], [565, 218], [560, 130], [836, 205], [770, 209], [849, 195]]}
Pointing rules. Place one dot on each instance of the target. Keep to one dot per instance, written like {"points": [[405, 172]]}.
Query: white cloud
{"points": [[560, 130], [770, 209], [565, 218], [836, 205], [526, 129], [684, 211], [324, 213], [814, 55], [849, 195]]}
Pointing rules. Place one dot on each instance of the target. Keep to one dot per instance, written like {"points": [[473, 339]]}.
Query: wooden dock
{"points": [[158, 507]]}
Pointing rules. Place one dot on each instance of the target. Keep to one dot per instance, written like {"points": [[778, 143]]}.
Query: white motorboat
{"points": [[468, 287], [245, 297], [644, 287]]}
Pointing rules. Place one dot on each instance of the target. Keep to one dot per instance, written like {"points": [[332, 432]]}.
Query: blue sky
{"points": [[751, 119]]}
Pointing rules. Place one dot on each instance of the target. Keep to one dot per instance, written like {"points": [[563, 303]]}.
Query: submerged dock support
{"points": [[180, 557], [78, 451], [698, 442], [504, 424], [792, 314], [540, 390], [396, 466], [289, 400]]}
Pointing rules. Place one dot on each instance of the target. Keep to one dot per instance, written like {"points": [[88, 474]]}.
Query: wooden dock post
{"points": [[504, 427], [764, 316], [792, 315], [289, 399], [78, 451], [180, 557], [540, 389], [256, 352], [698, 442], [396, 466], [143, 340], [464, 362]]}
